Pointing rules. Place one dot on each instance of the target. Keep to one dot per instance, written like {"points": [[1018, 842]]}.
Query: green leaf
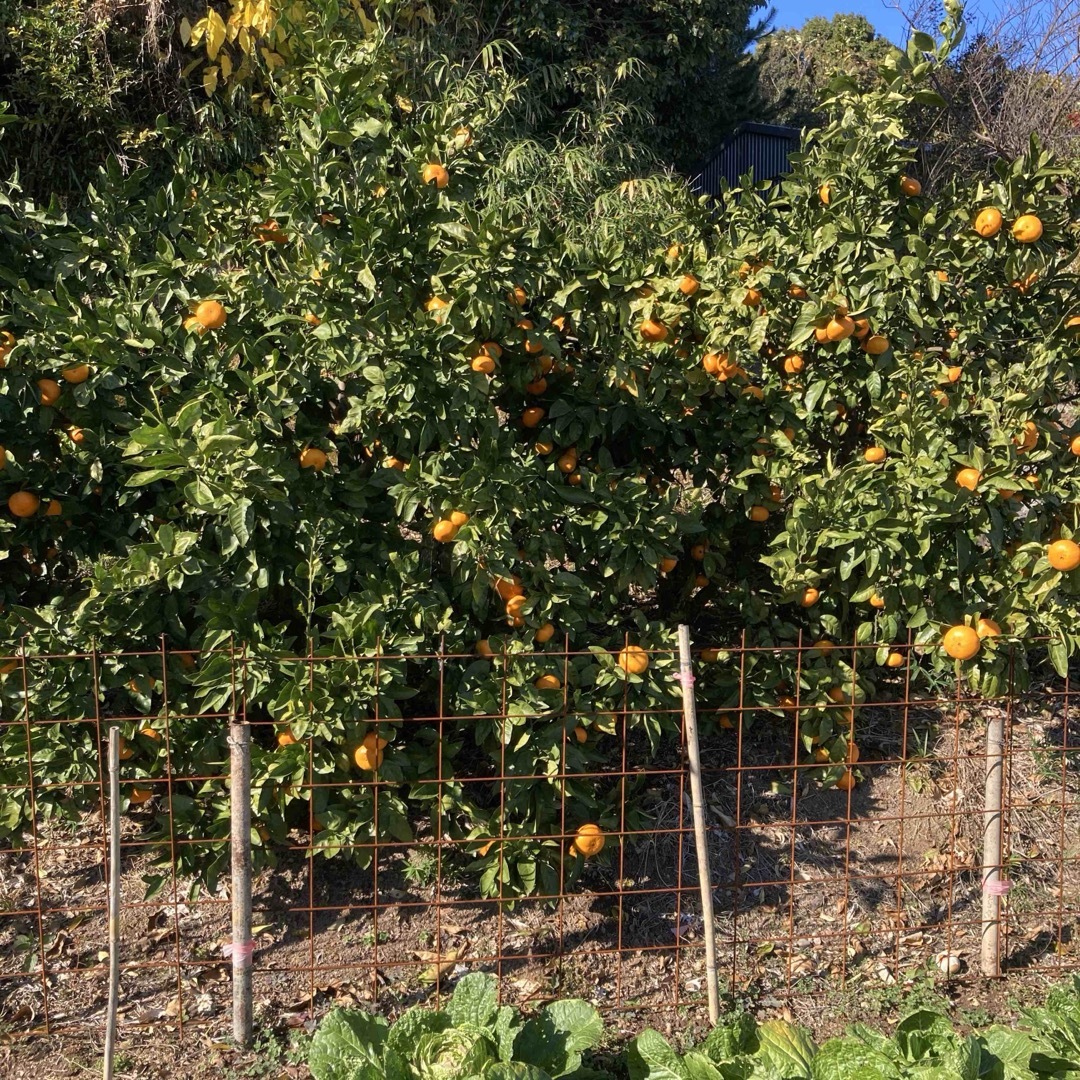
{"points": [[346, 1045], [651, 1057], [474, 1001]]}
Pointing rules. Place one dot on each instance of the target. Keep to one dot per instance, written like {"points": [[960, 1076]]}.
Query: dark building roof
{"points": [[761, 147]]}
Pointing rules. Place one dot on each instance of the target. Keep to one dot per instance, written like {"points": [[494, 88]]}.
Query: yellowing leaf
{"points": [[273, 59], [197, 32], [210, 79], [185, 32], [226, 66], [215, 34], [243, 39]]}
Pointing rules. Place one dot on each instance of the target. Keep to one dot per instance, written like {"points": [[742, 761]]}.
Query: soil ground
{"points": [[827, 911]]}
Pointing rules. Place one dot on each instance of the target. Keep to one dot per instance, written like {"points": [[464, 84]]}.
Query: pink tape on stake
{"points": [[997, 888], [685, 678], [240, 951]]}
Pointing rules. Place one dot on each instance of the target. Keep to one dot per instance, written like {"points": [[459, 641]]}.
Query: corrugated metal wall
{"points": [[761, 147]]}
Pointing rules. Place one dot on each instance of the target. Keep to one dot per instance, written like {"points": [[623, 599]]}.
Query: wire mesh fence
{"points": [[399, 839]]}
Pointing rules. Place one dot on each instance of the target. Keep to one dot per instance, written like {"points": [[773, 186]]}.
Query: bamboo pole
{"points": [[991, 859], [693, 753], [114, 901], [240, 843]]}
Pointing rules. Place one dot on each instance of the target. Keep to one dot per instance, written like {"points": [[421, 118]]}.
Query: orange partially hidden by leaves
{"points": [[532, 416], [139, 796], [634, 660], [459, 518], [1074, 446], [393, 462], [23, 504], [809, 596], [987, 628], [846, 781], [49, 390], [689, 285], [759, 513], [483, 364], [910, 186], [797, 292], [1027, 228], [726, 721], [589, 840], [374, 741], [434, 173], [483, 648], [581, 734], [875, 454], [368, 759], [876, 344], [825, 193], [894, 660], [839, 327], [75, 373], [517, 296], [877, 601], [961, 642], [793, 364], [653, 330], [968, 478], [954, 373], [286, 738], [54, 508], [210, 314], [150, 733], [548, 682], [668, 563], [988, 222], [544, 634], [444, 531], [1064, 555], [313, 458]]}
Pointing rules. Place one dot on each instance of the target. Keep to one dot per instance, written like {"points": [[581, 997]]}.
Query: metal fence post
{"points": [[693, 753], [240, 843]]}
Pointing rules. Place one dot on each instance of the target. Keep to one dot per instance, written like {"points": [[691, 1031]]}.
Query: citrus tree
{"points": [[318, 421]]}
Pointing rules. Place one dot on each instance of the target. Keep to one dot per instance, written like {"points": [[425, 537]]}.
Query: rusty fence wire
{"points": [[452, 849]]}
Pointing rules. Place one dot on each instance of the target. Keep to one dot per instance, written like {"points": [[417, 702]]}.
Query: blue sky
{"points": [[886, 19]]}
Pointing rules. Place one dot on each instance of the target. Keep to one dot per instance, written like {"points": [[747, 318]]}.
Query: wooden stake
{"points": [[242, 945], [693, 753], [114, 900], [991, 858]]}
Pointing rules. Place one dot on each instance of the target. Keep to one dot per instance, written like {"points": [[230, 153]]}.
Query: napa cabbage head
{"points": [[453, 1054]]}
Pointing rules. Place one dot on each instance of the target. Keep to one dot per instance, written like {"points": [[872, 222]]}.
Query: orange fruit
{"points": [[444, 531], [536, 387], [653, 330], [434, 173], [673, 251], [759, 513], [793, 364], [910, 186], [543, 446], [894, 660], [824, 646], [825, 193], [700, 581], [507, 589], [366, 758], [839, 327], [809, 597], [312, 319], [711, 362], [567, 460], [49, 390], [139, 796], [846, 781], [125, 752], [532, 416], [561, 323], [286, 738], [589, 840], [1029, 439], [797, 292], [988, 222], [1064, 555], [544, 634], [877, 601], [987, 628], [698, 551], [581, 734], [954, 374], [23, 504], [548, 682], [875, 454], [862, 328], [483, 648], [710, 656], [374, 741], [76, 434], [961, 642], [574, 479], [150, 733], [75, 373], [821, 335], [3, 458], [435, 303], [836, 694], [483, 364], [54, 508], [1074, 446], [1027, 228], [634, 660], [517, 296], [313, 458], [968, 478], [459, 518], [876, 344], [668, 563], [393, 462], [726, 721], [689, 285], [515, 604], [210, 315], [752, 298]]}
